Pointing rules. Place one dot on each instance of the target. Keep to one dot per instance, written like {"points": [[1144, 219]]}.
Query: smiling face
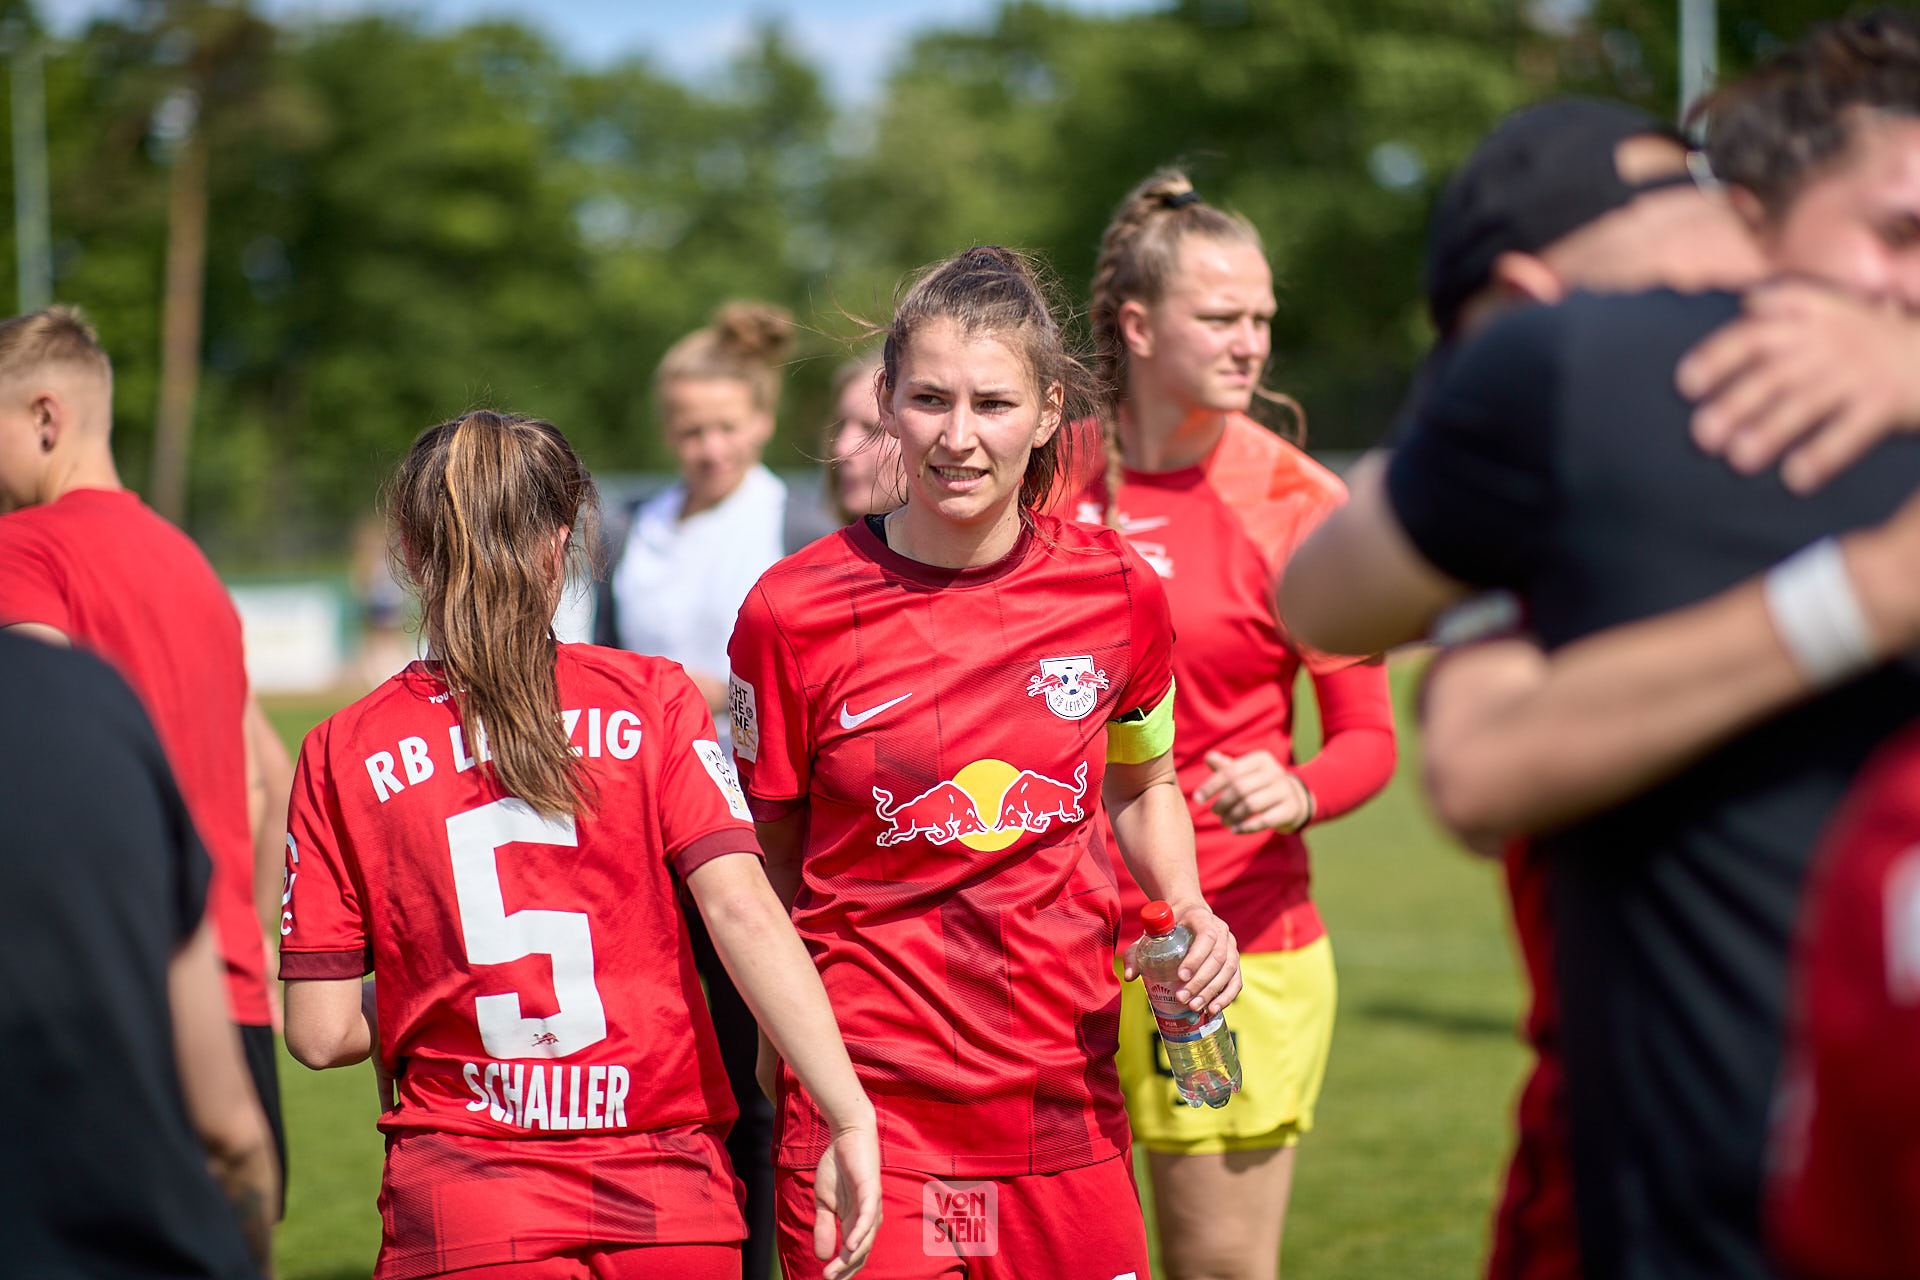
{"points": [[1205, 341], [716, 433], [1856, 222], [968, 414], [866, 460]]}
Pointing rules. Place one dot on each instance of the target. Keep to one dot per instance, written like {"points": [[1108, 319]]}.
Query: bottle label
{"points": [[1190, 1029], [1167, 1007]]}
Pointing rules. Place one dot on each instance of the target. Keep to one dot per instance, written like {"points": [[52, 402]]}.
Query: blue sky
{"points": [[852, 40]]}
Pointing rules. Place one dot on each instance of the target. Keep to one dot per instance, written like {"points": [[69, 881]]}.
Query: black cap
{"points": [[1545, 171]]}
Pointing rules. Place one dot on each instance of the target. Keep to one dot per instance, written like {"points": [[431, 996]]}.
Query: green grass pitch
{"points": [[1399, 1175]]}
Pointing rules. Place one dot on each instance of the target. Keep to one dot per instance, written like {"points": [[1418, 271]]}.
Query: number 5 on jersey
{"points": [[496, 936]]}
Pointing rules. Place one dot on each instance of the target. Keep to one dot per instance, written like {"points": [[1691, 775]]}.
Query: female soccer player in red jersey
{"points": [[930, 707], [498, 834], [1182, 299]]}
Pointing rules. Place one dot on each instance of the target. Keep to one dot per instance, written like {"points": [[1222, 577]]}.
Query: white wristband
{"points": [[1817, 616]]}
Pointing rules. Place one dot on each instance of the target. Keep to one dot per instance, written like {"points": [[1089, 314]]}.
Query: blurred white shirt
{"points": [[679, 584]]}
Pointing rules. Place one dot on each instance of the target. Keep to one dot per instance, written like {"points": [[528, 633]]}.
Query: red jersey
{"points": [[1218, 534], [103, 568], [947, 731], [1846, 1157], [534, 973]]}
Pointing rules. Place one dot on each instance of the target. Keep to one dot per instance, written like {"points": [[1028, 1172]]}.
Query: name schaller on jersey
{"points": [[595, 732], [534, 1095]]}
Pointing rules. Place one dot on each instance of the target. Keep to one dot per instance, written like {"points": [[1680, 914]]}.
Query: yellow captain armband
{"points": [[1141, 734]]}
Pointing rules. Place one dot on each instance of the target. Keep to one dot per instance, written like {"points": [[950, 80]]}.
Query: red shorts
{"points": [[450, 1201], [1535, 1233], [1084, 1223], [635, 1262]]}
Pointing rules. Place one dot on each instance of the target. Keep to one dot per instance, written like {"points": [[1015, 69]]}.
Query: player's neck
{"points": [[1158, 434], [86, 469], [919, 535]]}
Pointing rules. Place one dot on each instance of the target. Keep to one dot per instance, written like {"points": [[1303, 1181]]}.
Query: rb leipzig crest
{"points": [[1072, 686]]}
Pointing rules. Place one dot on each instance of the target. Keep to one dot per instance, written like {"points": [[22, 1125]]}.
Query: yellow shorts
{"points": [[1282, 1023]]}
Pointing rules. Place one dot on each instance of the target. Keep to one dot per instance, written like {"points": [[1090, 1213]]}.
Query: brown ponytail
{"points": [[477, 505], [1139, 252], [745, 342], [991, 290]]}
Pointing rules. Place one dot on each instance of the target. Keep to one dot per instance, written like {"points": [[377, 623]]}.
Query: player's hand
{"points": [[1809, 373], [1255, 792], [1210, 975], [846, 1194], [766, 1068]]}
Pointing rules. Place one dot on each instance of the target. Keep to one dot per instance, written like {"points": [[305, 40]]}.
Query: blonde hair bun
{"points": [[754, 331]]}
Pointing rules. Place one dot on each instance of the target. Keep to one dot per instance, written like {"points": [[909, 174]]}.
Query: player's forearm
{"points": [[770, 967], [220, 1100], [1606, 718], [783, 844], [1154, 830], [250, 1180], [1357, 753], [327, 1023], [1358, 585], [1617, 712], [270, 781]]}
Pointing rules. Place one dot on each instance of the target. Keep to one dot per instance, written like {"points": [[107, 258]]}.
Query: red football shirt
{"points": [[1218, 534], [102, 567], [534, 974], [1846, 1158], [947, 731]]}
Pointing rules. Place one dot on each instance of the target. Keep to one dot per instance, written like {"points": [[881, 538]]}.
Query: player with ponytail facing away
{"points": [[1215, 502], [497, 833], [930, 707]]}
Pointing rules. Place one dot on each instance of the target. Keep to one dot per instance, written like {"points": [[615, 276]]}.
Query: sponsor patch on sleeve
{"points": [[746, 718], [720, 769]]}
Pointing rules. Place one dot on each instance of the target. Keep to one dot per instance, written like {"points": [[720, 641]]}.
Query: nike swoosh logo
{"points": [[854, 722], [1143, 524]]}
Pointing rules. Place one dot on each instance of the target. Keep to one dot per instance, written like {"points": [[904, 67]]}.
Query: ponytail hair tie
{"points": [[1180, 199]]}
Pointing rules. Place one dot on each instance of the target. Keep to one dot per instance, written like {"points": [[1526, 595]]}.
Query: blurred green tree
{"points": [[401, 221], [1325, 121]]}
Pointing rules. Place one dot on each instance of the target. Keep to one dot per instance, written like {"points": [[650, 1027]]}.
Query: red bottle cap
{"points": [[1157, 918]]}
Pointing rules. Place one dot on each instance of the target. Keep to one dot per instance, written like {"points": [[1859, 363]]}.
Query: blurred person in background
{"points": [[584, 787], [84, 561], [385, 645], [932, 819], [1570, 194], [685, 558], [680, 568], [1553, 457], [1215, 502], [1522, 741], [130, 1082], [863, 462]]}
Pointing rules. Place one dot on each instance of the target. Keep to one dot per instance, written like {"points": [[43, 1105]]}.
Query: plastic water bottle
{"points": [[1206, 1066]]}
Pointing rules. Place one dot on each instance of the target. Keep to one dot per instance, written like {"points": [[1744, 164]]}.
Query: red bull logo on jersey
{"points": [[1072, 686], [1019, 800]]}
